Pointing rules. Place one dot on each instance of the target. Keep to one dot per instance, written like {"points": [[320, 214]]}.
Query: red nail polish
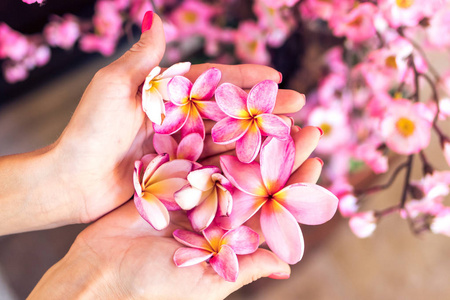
{"points": [[279, 276], [148, 21], [320, 130], [281, 77], [320, 160]]}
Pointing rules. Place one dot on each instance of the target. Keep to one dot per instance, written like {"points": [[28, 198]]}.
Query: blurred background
{"points": [[391, 264]]}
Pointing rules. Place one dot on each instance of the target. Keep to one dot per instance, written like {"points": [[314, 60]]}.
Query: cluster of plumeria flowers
{"points": [[218, 201]]}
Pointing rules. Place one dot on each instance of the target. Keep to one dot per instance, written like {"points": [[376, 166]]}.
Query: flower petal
{"points": [[243, 240], [175, 118], [210, 110], [201, 178], [246, 177], [164, 143], [232, 100], [178, 168], [152, 167], [153, 105], [153, 73], [194, 124], [180, 68], [225, 200], [178, 89], [165, 189], [276, 159], [190, 147], [247, 147], [262, 97], [213, 234], [152, 210], [161, 86], [185, 257], [191, 239], [229, 130], [225, 263], [282, 232], [202, 215], [272, 125], [188, 197], [244, 207], [136, 176], [309, 203], [206, 84]]}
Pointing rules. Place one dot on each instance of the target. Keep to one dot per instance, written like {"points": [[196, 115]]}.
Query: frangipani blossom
{"points": [[249, 117], [154, 188], [263, 187], [154, 90], [190, 147], [217, 246], [207, 194], [406, 126], [190, 103]]}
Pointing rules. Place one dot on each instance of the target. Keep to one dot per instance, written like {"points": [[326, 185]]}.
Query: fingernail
{"points": [[320, 130], [298, 127], [279, 275], [281, 77], [320, 160], [148, 21], [292, 121]]}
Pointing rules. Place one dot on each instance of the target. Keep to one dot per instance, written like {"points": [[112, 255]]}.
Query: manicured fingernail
{"points": [[320, 130], [298, 127], [279, 276], [320, 160], [292, 121], [148, 21], [281, 77]]}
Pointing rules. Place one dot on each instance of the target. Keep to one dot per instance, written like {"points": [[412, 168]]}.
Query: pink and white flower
{"points": [[358, 24], [249, 117], [250, 43], [363, 224], [218, 247], [190, 147], [441, 222], [207, 194], [406, 127], [156, 179], [154, 91], [189, 103], [263, 187], [62, 32]]}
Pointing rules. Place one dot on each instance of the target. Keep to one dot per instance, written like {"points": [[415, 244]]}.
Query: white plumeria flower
{"points": [[154, 91]]}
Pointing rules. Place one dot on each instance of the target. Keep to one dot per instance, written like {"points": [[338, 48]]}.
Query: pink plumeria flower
{"points": [[190, 147], [263, 187], [154, 188], [249, 117], [192, 16], [363, 224], [190, 103], [250, 43], [358, 24], [408, 12], [207, 194], [154, 91], [406, 127], [218, 247]]}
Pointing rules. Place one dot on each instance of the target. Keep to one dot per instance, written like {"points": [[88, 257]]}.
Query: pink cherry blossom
{"points": [[207, 194], [190, 147], [250, 43], [156, 179], [107, 19], [441, 222], [406, 127], [408, 12], [348, 205], [33, 1], [13, 44], [62, 31], [192, 17], [94, 43], [363, 224], [325, 10], [218, 247], [263, 187], [14, 72], [372, 157], [446, 149], [249, 117], [439, 26], [154, 90], [190, 103]]}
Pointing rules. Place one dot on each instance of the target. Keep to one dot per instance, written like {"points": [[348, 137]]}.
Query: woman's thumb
{"points": [[143, 56]]}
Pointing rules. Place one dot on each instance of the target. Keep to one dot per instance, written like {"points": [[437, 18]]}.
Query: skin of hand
{"points": [[122, 256], [87, 172]]}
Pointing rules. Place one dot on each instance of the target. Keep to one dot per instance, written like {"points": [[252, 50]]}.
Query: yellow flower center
{"points": [[356, 22], [326, 128], [252, 46], [405, 126], [390, 62], [190, 17], [404, 3]]}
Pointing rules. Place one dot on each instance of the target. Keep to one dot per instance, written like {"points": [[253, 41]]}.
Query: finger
{"points": [[244, 76], [215, 159], [309, 171], [306, 141], [143, 56], [210, 148], [261, 263]]}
